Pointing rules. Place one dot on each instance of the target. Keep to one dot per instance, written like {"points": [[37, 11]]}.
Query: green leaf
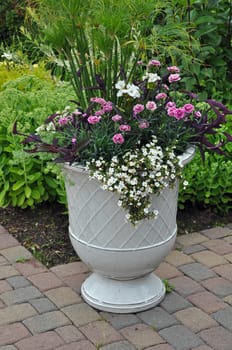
{"points": [[17, 185], [35, 194], [51, 182], [27, 191]]}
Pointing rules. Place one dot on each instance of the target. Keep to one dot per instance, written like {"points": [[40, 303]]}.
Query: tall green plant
{"points": [[94, 38]]}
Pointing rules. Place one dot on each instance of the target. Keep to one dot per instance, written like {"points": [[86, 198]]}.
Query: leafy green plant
{"points": [[25, 180], [209, 183]]}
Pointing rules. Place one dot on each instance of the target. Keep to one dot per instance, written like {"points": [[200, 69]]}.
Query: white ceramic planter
{"points": [[121, 256]]}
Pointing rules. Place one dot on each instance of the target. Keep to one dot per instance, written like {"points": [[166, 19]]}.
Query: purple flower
{"points": [[118, 139], [93, 119], [151, 106], [125, 127], [173, 78], [116, 118], [138, 108], [189, 108]]}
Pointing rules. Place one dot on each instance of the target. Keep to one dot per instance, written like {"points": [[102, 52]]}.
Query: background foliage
{"points": [[26, 180], [196, 35]]}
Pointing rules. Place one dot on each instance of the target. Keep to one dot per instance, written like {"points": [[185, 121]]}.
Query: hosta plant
{"points": [[131, 143]]}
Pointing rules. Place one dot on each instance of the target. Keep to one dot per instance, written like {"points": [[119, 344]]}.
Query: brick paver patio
{"points": [[42, 309]]}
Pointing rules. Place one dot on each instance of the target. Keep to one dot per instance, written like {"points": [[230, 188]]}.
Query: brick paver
{"points": [[142, 336], [63, 296], [224, 271], [217, 232], [119, 321], [219, 286], [218, 246], [45, 281], [195, 319], [7, 240], [224, 317], [100, 332], [69, 333], [185, 285], [197, 271], [20, 295], [217, 337], [209, 258], [15, 313], [207, 302], [42, 309], [181, 337], [81, 314], [11, 333], [166, 271], [48, 340], [13, 254], [158, 318], [46, 322]]}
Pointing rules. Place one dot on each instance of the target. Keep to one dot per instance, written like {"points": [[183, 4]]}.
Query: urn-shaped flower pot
{"points": [[121, 256]]}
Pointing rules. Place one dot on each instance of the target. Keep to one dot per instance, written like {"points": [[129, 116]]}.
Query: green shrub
{"points": [[209, 182], [27, 180], [9, 71]]}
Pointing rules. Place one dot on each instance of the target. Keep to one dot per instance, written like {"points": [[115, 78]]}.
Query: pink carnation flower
{"points": [[107, 107], [99, 100], [74, 140], [173, 69], [170, 104], [144, 124], [189, 108], [154, 63], [138, 108], [125, 127], [197, 114], [161, 95], [151, 106], [173, 78], [179, 113], [171, 111], [93, 119], [63, 120], [116, 118], [99, 112], [118, 139]]}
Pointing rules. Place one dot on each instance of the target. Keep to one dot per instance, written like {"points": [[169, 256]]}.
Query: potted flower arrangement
{"points": [[123, 158]]}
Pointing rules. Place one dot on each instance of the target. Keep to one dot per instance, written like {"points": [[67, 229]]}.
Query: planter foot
{"points": [[125, 296]]}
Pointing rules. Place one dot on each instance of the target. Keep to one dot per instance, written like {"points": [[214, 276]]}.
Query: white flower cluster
{"points": [[129, 89], [136, 176]]}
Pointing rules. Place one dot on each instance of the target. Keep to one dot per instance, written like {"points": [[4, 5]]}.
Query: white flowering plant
{"points": [[131, 143]]}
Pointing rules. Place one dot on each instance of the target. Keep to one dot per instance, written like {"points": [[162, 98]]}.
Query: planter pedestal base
{"points": [[123, 296]]}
